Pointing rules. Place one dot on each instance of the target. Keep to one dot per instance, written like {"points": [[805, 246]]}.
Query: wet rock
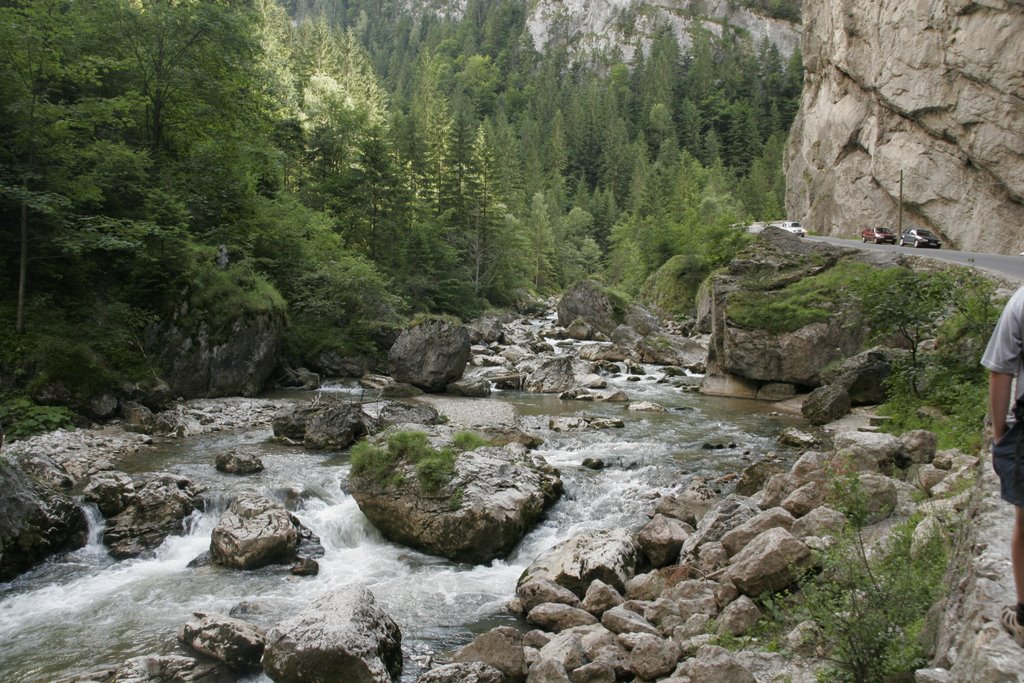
{"points": [[494, 496], [157, 510], [646, 406], [608, 555], [236, 462], [305, 566], [236, 643], [36, 521], [580, 330], [690, 504], [165, 669], [500, 648], [110, 491], [344, 633], [430, 355], [254, 531]]}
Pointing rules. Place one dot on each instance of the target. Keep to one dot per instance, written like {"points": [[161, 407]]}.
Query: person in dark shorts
{"points": [[1004, 358]]}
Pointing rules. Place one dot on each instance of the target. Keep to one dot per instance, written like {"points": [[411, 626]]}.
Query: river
{"points": [[85, 610]]}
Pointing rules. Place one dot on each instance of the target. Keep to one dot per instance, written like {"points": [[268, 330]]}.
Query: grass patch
{"points": [[383, 463], [469, 441], [797, 303]]}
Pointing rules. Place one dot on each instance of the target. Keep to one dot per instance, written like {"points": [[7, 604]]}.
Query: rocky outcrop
{"points": [[430, 355], [745, 355], [343, 636], [494, 496], [587, 301], [927, 89], [157, 510], [235, 359], [36, 521]]}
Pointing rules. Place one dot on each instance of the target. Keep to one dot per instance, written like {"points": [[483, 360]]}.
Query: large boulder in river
{"points": [[157, 510], [329, 425], [35, 521], [342, 636], [254, 532], [494, 496], [610, 556], [430, 355], [588, 301], [670, 349], [554, 375]]}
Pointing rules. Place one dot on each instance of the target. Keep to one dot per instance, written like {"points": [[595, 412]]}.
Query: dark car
{"points": [[919, 237], [879, 235]]}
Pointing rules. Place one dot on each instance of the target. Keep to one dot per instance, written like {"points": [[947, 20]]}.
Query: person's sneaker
{"points": [[1009, 621]]}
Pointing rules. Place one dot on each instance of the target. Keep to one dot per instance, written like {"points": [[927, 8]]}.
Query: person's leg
{"points": [[1017, 557]]}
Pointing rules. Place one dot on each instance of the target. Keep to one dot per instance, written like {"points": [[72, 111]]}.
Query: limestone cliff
{"points": [[934, 88]]}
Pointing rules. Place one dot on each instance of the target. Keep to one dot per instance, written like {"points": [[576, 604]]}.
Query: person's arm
{"points": [[999, 385]]}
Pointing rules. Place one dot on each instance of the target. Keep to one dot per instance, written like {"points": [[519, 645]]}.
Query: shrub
{"points": [[434, 468], [469, 441], [21, 418]]}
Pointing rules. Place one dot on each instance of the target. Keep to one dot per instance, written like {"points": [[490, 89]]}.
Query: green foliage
{"points": [[434, 468], [21, 418], [869, 608], [815, 298], [941, 388], [469, 441]]}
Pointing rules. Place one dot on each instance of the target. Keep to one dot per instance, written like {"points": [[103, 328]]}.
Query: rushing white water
{"points": [[86, 610]]}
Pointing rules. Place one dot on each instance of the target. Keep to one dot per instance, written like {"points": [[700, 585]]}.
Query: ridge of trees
{"points": [[364, 161]]}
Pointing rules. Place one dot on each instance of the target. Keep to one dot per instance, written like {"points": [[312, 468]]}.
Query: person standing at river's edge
{"points": [[1004, 358]]}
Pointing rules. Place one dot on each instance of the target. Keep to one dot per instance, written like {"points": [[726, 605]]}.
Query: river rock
{"points": [[600, 598], [110, 491], [588, 301], [494, 497], [714, 664], [753, 477], [556, 617], [430, 355], [539, 590], [470, 387], [771, 561], [688, 505], [157, 510], [552, 376], [738, 617], [237, 462], [736, 539], [342, 636], [726, 515], [621, 619], [332, 425], [254, 531], [486, 330], [609, 555], [669, 349], [45, 470], [826, 404], [500, 648], [652, 657], [408, 412], [662, 538], [165, 669], [237, 643], [463, 672], [864, 375], [36, 521]]}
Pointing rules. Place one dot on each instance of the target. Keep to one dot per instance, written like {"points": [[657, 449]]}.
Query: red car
{"points": [[879, 235]]}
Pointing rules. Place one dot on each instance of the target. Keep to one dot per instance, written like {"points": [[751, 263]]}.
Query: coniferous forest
{"points": [[349, 164]]}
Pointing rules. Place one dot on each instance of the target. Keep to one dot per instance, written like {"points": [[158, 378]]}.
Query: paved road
{"points": [[1011, 266]]}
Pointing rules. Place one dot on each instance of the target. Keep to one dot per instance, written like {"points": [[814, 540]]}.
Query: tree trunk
{"points": [[19, 325]]}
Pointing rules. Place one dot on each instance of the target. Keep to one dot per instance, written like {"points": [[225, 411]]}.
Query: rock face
{"points": [[157, 510], [931, 89], [494, 497], [236, 360], [430, 355], [343, 636], [35, 521]]}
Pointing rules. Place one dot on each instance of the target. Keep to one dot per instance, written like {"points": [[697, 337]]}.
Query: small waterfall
{"points": [[96, 526]]}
